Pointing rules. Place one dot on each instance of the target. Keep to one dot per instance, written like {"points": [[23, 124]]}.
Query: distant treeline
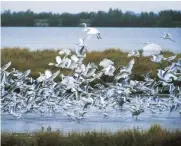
{"points": [[112, 18]]}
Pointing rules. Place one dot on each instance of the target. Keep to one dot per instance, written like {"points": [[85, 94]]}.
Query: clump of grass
{"points": [[155, 136], [23, 59]]}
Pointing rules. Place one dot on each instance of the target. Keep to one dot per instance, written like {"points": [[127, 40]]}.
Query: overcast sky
{"points": [[75, 7]]}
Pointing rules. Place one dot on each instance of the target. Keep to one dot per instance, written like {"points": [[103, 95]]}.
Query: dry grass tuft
{"points": [[155, 136], [23, 59]]}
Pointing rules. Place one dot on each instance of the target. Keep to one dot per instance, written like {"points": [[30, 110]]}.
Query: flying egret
{"points": [[6, 66], [64, 51], [105, 63], [167, 36], [91, 31], [134, 53], [166, 76], [169, 59], [151, 49], [109, 71], [157, 58]]}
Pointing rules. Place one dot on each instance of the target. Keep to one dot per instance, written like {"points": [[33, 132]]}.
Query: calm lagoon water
{"points": [[67, 37], [94, 121]]}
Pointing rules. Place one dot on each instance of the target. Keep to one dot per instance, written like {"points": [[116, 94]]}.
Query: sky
{"points": [[88, 6]]}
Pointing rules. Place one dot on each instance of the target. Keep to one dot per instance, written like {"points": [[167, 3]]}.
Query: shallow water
{"points": [[67, 37], [94, 120]]}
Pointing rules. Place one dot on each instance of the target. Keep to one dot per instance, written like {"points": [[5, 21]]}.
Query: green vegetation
{"points": [[155, 136], [112, 18], [37, 61]]}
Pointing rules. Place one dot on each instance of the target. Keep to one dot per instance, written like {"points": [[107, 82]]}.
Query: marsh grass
{"points": [[155, 136], [23, 59]]}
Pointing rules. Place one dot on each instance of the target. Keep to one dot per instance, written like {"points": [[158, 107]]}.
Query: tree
{"points": [[111, 18]]}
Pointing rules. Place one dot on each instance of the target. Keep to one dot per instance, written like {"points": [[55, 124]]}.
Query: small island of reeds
{"points": [[37, 60]]}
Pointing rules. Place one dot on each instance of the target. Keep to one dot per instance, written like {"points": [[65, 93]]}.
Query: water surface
{"points": [[94, 121], [67, 37]]}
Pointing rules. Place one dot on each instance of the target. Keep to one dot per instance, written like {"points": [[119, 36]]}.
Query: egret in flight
{"points": [[91, 31], [151, 49], [167, 36]]}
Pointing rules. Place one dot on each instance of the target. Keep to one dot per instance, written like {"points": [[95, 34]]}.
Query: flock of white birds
{"points": [[73, 96]]}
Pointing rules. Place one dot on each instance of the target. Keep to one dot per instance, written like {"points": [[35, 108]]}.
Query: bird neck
{"points": [[172, 79], [85, 25], [140, 51]]}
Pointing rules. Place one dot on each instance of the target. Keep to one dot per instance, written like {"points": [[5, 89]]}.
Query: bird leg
{"points": [[172, 40], [137, 60], [98, 36], [148, 60]]}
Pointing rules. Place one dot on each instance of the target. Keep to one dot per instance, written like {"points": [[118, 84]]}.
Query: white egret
{"points": [[91, 31], [151, 49], [157, 58], [167, 36], [170, 58], [134, 53], [105, 63]]}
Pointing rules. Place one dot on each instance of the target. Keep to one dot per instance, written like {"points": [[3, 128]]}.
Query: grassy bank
{"points": [[155, 136], [23, 59]]}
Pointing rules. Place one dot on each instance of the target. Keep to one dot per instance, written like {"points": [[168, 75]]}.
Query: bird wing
{"points": [[148, 74], [6, 66], [154, 57], [74, 58], [26, 73], [87, 30], [48, 73], [166, 34], [130, 65], [81, 42], [92, 31], [82, 49], [54, 75], [159, 57], [67, 51], [171, 57], [165, 72], [61, 52], [58, 59], [105, 63]]}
